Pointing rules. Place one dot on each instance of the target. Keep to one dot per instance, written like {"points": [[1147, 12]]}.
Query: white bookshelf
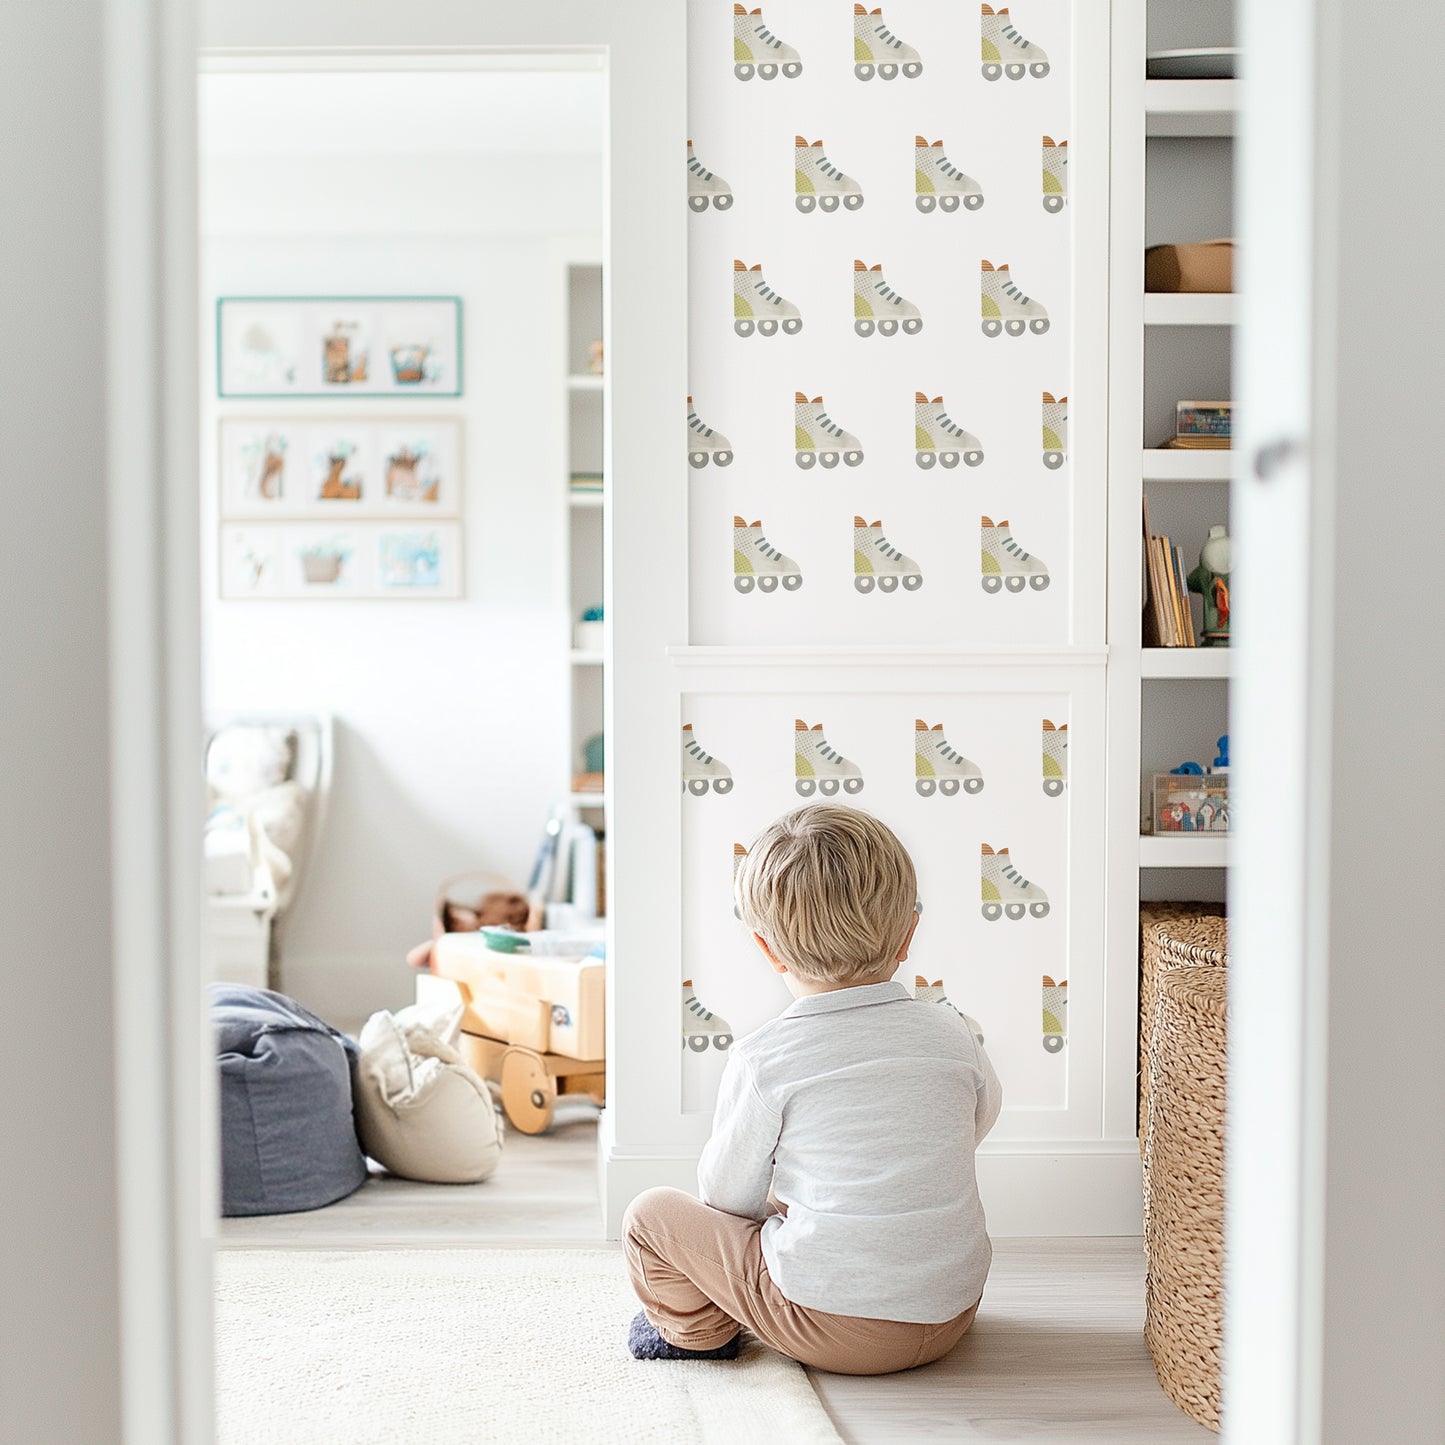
{"points": [[1190, 107], [1171, 164], [1162, 464], [1185, 663], [1183, 850], [586, 516], [1187, 309]]}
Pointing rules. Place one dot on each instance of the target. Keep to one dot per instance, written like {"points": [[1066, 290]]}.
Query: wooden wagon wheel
{"points": [[529, 1093]]}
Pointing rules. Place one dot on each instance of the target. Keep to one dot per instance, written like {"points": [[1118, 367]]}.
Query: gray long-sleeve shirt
{"points": [[860, 1110]]}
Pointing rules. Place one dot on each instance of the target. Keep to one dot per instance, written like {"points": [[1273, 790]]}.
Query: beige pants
{"points": [[700, 1274]]}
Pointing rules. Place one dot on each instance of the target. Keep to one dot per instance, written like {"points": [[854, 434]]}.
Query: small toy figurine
{"points": [[1211, 580], [1221, 763]]}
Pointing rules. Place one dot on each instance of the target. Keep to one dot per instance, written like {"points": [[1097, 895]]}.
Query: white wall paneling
{"points": [[989, 666]]}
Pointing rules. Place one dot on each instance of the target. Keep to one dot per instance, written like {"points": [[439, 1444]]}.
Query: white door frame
{"points": [[165, 1094]]}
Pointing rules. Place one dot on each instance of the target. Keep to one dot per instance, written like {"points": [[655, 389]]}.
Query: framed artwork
{"points": [[286, 468], [401, 560], [308, 346]]}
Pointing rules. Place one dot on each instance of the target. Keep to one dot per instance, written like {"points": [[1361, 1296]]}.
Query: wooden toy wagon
{"points": [[533, 1024]]}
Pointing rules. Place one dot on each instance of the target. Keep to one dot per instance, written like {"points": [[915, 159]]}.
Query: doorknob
{"points": [[1269, 458]]}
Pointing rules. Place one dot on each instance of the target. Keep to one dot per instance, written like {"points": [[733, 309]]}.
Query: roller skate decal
{"points": [[819, 184], [1004, 563], [1007, 52], [700, 1026], [878, 307], [758, 308], [700, 770], [704, 189], [876, 562], [1006, 892], [878, 51], [1056, 758], [757, 51], [818, 439], [1055, 430], [1056, 175], [705, 445], [818, 767], [937, 438], [757, 563], [937, 768], [926, 992], [938, 183], [1056, 1019], [1004, 307]]}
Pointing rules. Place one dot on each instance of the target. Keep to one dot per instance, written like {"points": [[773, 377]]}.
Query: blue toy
{"points": [[1221, 763], [1190, 770]]}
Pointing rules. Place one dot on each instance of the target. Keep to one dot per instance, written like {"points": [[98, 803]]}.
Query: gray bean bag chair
{"points": [[288, 1141]]}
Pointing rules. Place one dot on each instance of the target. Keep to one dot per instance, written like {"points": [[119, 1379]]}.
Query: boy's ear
{"points": [[774, 962], [907, 939]]}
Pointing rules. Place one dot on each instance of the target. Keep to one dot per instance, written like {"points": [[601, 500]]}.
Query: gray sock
{"points": [[646, 1344]]}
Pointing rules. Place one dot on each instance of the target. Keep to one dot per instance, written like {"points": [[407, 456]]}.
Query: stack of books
{"points": [[1168, 620], [1201, 426]]}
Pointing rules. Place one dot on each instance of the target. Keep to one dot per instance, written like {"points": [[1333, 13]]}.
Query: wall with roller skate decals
{"points": [[883, 264], [880, 323], [972, 778]]}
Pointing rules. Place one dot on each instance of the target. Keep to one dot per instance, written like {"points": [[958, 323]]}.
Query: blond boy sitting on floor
{"points": [[839, 1216]]}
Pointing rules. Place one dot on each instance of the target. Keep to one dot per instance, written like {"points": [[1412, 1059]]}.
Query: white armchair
{"points": [[267, 783]]}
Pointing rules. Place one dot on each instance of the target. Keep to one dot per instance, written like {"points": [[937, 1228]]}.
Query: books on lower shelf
{"points": [[1168, 618], [567, 868]]}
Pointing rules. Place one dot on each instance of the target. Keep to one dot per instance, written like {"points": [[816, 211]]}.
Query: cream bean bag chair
{"points": [[421, 1112]]}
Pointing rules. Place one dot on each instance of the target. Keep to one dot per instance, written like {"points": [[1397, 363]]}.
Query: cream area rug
{"points": [[468, 1347]]}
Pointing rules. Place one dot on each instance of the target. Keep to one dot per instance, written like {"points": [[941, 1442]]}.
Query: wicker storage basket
{"points": [[1173, 935], [1184, 1211]]}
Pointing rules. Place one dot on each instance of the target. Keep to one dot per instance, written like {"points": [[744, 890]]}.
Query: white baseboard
{"points": [[1093, 1188]]}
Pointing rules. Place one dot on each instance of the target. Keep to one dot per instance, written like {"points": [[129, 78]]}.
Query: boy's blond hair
{"points": [[831, 889]]}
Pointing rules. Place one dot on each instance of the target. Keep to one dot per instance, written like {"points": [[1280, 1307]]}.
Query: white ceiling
{"points": [[405, 112]]}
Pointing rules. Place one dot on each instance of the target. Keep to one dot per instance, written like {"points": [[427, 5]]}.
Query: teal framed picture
{"points": [[269, 347]]}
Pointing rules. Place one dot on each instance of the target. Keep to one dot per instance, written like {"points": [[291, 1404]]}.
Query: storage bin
{"points": [[1191, 803], [1184, 1209], [1172, 936], [1195, 266]]}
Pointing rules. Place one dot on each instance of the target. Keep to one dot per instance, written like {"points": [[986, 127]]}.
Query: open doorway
{"points": [[402, 509]]}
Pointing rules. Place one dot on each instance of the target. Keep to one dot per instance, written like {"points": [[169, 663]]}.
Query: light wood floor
{"points": [[1056, 1353]]}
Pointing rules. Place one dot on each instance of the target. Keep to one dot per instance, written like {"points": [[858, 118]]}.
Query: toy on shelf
{"points": [[1211, 580], [532, 1022], [1192, 799]]}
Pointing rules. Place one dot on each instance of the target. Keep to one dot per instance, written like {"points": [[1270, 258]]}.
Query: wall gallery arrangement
{"points": [[339, 506], [294, 467], [339, 561], [273, 346]]}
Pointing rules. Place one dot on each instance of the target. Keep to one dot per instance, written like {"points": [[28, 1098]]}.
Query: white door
{"points": [[1337, 1086]]}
